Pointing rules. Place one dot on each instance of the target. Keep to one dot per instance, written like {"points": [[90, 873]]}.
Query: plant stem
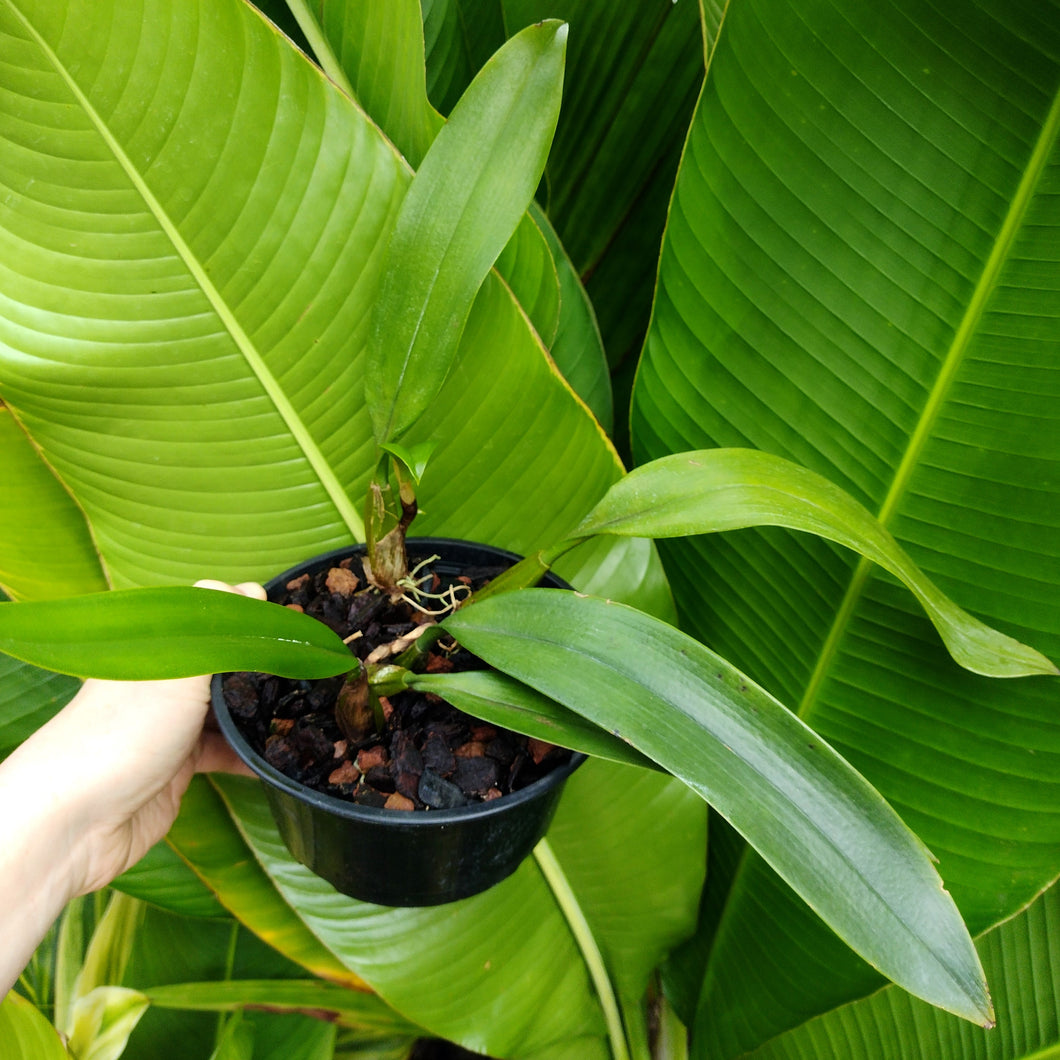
{"points": [[322, 49], [583, 935]]}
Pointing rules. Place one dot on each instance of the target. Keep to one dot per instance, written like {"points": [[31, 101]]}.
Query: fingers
{"points": [[251, 589], [215, 756]]}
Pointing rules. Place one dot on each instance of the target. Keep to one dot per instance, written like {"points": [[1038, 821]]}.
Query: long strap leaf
{"points": [[468, 195], [821, 826], [709, 490]]}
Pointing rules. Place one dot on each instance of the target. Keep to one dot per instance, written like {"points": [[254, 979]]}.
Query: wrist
{"points": [[40, 872]]}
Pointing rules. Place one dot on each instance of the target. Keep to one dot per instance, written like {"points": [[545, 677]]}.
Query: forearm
{"points": [[36, 880]]}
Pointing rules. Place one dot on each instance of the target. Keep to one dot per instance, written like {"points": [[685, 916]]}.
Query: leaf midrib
{"points": [[321, 468], [952, 363]]}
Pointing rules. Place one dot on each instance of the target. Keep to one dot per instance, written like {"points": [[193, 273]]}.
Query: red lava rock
{"points": [[342, 581], [282, 726], [485, 733], [471, 749], [295, 607], [347, 773], [539, 750], [340, 748], [370, 758], [399, 802], [493, 793], [439, 664], [298, 583]]}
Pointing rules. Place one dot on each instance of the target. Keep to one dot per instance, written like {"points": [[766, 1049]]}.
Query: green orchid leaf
{"points": [[820, 825], [499, 699], [176, 631], [709, 490], [413, 457], [463, 205], [26, 1033]]}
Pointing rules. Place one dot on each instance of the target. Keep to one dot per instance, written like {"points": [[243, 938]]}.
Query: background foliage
{"points": [[858, 272]]}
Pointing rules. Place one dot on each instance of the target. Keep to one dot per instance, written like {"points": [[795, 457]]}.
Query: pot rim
{"points": [[377, 814]]}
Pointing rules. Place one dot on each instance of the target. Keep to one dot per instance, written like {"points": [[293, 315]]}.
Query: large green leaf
{"points": [[379, 48], [28, 698], [633, 74], [448, 993], [812, 817], [45, 548], [1021, 958], [858, 275], [25, 1033], [451, 946], [169, 177], [205, 837]]}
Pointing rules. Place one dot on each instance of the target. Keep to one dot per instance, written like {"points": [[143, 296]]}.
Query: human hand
{"points": [[117, 760], [89, 793]]}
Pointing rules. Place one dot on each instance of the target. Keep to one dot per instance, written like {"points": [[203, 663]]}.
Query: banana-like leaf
{"points": [[514, 931], [501, 700], [633, 74], [577, 347], [821, 826], [28, 698], [163, 878], [174, 631], [726, 489], [459, 36], [205, 838], [25, 1033], [606, 811], [45, 547], [468, 195], [379, 48], [858, 276], [1021, 958], [349, 1008]]}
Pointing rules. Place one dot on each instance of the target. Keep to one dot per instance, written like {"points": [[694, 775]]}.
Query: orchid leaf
{"points": [[727, 489], [501, 700], [820, 825], [176, 631], [470, 191]]}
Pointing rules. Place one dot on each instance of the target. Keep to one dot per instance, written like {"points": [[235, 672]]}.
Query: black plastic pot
{"points": [[395, 857]]}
